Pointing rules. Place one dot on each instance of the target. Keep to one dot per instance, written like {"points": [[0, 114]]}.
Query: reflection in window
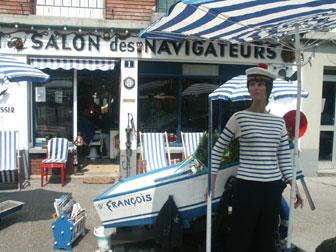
{"points": [[163, 108], [158, 103], [195, 103], [53, 103], [328, 96], [326, 145]]}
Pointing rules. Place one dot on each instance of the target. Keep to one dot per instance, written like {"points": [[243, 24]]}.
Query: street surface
{"points": [[30, 228]]}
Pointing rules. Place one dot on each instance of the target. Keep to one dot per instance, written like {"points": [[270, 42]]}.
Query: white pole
{"points": [[75, 105], [296, 138], [209, 210]]}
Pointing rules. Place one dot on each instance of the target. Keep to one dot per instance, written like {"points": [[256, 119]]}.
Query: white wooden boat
{"points": [[137, 200]]}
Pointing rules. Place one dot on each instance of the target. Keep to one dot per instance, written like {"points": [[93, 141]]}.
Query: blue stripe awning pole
{"points": [[209, 198], [296, 138]]}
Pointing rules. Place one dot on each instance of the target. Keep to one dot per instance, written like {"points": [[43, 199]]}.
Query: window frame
{"points": [[325, 164]]}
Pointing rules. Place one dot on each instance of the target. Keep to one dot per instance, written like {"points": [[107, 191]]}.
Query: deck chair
{"points": [[56, 158], [9, 157], [153, 150], [190, 141]]}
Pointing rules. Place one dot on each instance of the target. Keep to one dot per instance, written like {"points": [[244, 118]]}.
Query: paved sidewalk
{"points": [[312, 227], [30, 228]]}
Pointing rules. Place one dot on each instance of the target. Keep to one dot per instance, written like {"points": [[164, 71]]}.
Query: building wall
{"points": [[13, 109], [16, 7], [140, 10], [312, 81], [114, 9]]}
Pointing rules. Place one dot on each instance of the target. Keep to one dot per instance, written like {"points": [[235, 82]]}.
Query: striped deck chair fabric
{"points": [[190, 141], [57, 156], [154, 146], [57, 151], [9, 163]]}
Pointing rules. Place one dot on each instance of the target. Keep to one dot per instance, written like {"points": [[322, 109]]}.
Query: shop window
{"points": [[327, 128], [326, 146], [158, 104], [167, 105], [53, 107], [195, 103], [328, 103]]}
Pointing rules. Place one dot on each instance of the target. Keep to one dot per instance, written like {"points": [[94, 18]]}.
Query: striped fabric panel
{"points": [[235, 90], [264, 151], [8, 162], [222, 143], [154, 150], [8, 176], [14, 70], [191, 141], [241, 21], [57, 150], [79, 64]]}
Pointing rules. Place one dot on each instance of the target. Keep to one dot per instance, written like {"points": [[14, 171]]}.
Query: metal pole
{"points": [[128, 146], [296, 138], [209, 198]]}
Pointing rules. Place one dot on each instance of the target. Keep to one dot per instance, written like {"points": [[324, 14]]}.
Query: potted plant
{"points": [[230, 155]]}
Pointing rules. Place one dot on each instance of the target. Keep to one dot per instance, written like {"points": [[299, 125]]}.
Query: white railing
{"points": [[71, 8]]}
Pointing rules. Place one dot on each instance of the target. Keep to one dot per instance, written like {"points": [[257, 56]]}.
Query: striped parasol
{"points": [[13, 70], [235, 90], [241, 21]]}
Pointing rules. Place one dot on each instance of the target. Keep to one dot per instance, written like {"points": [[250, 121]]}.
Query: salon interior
{"points": [[97, 117]]}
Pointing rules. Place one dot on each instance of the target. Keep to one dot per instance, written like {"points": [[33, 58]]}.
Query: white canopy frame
{"points": [[243, 22]]}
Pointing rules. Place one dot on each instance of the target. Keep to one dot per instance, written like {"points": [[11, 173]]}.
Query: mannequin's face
{"points": [[257, 90]]}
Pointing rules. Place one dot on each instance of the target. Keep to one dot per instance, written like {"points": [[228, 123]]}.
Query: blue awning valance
{"points": [[73, 63]]}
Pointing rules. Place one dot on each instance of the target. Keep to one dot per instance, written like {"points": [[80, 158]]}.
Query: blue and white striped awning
{"points": [[236, 90], [238, 21], [14, 70], [73, 63]]}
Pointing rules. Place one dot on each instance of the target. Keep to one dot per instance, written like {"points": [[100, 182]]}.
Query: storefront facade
{"points": [[143, 81], [319, 79]]}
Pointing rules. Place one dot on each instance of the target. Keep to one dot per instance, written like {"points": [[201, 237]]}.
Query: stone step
{"points": [[101, 173], [326, 172]]}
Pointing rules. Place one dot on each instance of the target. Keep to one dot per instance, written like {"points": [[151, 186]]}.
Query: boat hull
{"points": [[137, 200]]}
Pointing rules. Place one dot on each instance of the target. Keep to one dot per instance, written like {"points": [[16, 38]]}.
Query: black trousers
{"points": [[255, 216]]}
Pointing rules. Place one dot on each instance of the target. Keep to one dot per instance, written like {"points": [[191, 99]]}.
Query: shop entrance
{"points": [[98, 116]]}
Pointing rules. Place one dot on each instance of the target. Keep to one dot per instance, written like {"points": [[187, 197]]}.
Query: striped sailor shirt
{"points": [[264, 153]]}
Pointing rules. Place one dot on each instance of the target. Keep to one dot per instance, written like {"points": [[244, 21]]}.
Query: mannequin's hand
{"points": [[299, 200]]}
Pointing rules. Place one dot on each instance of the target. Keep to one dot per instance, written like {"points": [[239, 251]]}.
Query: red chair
{"points": [[57, 156]]}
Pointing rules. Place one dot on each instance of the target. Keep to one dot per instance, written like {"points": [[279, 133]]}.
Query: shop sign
{"points": [[79, 44]]}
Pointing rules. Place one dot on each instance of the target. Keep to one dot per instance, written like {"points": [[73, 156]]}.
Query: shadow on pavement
{"points": [[38, 205]]}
